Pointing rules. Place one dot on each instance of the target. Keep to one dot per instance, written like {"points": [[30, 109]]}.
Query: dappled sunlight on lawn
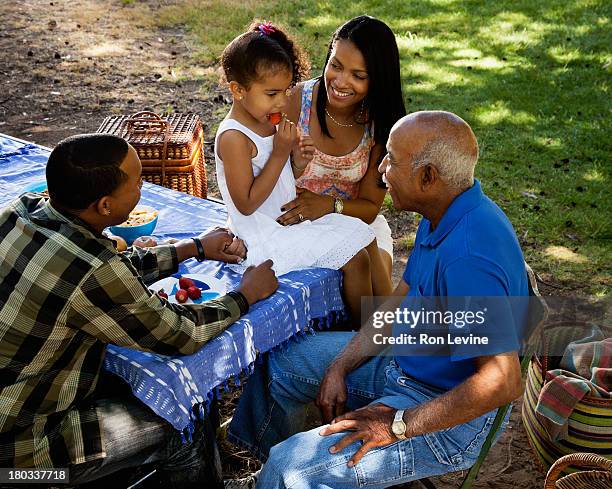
{"points": [[413, 43], [467, 53], [513, 28], [323, 21], [563, 55], [498, 112], [431, 76], [594, 175], [487, 63], [565, 254], [551, 143]]}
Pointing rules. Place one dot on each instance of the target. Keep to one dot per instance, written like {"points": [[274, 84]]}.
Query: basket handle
{"points": [[147, 122], [150, 123], [581, 460]]}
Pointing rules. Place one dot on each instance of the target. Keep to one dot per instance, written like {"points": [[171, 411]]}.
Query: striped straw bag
{"points": [[590, 423]]}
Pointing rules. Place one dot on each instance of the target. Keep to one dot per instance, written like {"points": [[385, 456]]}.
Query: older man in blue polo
{"points": [[394, 418]]}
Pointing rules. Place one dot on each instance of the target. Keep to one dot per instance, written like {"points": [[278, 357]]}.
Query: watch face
{"points": [[398, 428], [338, 206]]}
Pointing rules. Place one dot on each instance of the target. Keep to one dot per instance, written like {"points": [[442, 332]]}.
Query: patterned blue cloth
{"points": [[21, 164], [179, 388]]}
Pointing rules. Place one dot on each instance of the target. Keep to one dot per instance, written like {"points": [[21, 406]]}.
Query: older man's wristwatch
{"points": [[398, 426]]}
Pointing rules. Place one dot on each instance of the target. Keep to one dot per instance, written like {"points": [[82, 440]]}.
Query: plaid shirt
{"points": [[64, 294]]}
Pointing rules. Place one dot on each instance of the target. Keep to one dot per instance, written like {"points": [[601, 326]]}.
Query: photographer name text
{"points": [[427, 339]]}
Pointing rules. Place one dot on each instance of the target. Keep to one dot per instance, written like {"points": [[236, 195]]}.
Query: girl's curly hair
{"points": [[264, 47]]}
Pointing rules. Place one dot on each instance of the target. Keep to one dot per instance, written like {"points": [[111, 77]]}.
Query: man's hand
{"points": [[310, 205], [219, 245], [331, 399], [371, 425], [258, 282]]}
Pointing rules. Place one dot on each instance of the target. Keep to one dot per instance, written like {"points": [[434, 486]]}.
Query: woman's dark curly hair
{"points": [[264, 47]]}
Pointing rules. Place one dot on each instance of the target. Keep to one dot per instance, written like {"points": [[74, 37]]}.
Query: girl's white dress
{"points": [[328, 242]]}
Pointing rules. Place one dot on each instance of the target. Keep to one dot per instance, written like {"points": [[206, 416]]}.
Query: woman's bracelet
{"points": [[295, 167]]}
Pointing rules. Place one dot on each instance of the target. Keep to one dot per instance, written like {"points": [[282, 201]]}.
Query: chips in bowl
{"points": [[139, 216], [141, 222]]}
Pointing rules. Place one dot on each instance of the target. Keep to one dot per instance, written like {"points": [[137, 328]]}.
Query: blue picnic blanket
{"points": [[179, 388]]}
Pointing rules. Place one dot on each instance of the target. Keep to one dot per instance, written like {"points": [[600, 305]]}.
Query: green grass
{"points": [[530, 77]]}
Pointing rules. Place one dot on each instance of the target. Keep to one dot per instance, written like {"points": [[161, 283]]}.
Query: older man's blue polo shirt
{"points": [[472, 252]]}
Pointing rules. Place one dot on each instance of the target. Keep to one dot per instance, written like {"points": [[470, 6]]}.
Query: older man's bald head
{"points": [[441, 139]]}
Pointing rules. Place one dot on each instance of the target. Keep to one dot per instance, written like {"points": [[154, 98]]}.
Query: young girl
{"points": [[252, 150]]}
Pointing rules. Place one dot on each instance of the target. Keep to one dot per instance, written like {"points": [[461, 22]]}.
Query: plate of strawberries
{"points": [[189, 289]]}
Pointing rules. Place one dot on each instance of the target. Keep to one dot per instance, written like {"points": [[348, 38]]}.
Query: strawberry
{"points": [[275, 118], [185, 283], [162, 293], [181, 296], [194, 293]]}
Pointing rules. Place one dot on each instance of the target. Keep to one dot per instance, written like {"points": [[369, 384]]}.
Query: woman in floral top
{"points": [[345, 116]]}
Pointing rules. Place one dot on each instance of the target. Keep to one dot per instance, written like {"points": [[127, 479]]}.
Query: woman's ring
{"points": [[300, 217]]}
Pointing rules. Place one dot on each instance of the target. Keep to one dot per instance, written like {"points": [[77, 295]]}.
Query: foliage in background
{"points": [[530, 76]]}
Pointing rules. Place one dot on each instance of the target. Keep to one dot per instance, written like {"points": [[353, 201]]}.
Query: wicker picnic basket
{"points": [[170, 146], [589, 425], [595, 472]]}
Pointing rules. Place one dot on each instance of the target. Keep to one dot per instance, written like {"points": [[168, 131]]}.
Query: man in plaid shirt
{"points": [[65, 293]]}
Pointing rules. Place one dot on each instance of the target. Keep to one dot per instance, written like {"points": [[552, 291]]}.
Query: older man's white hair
{"points": [[454, 161]]}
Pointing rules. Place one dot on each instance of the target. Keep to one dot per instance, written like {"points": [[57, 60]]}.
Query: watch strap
{"points": [[201, 255], [398, 420], [239, 297], [399, 416]]}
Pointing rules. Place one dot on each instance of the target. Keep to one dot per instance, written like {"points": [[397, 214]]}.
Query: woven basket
{"points": [[170, 147], [589, 425], [598, 477]]}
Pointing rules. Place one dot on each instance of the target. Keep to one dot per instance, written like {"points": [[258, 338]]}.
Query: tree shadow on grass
{"points": [[533, 86], [531, 78]]}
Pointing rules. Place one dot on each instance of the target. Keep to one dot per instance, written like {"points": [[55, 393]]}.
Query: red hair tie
{"points": [[267, 28]]}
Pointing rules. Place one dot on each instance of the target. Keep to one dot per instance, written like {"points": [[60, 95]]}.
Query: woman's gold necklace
{"points": [[338, 123]]}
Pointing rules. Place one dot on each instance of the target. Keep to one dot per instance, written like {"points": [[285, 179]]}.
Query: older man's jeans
{"points": [[272, 412], [136, 436]]}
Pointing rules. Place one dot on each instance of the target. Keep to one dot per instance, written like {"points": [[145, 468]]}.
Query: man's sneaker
{"points": [[246, 483]]}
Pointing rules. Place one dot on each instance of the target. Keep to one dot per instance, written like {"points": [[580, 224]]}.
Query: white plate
{"points": [[211, 287]]}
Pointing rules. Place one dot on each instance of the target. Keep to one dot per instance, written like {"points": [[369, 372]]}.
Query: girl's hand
{"points": [[303, 152], [219, 245], [237, 248], [284, 139], [309, 205]]}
